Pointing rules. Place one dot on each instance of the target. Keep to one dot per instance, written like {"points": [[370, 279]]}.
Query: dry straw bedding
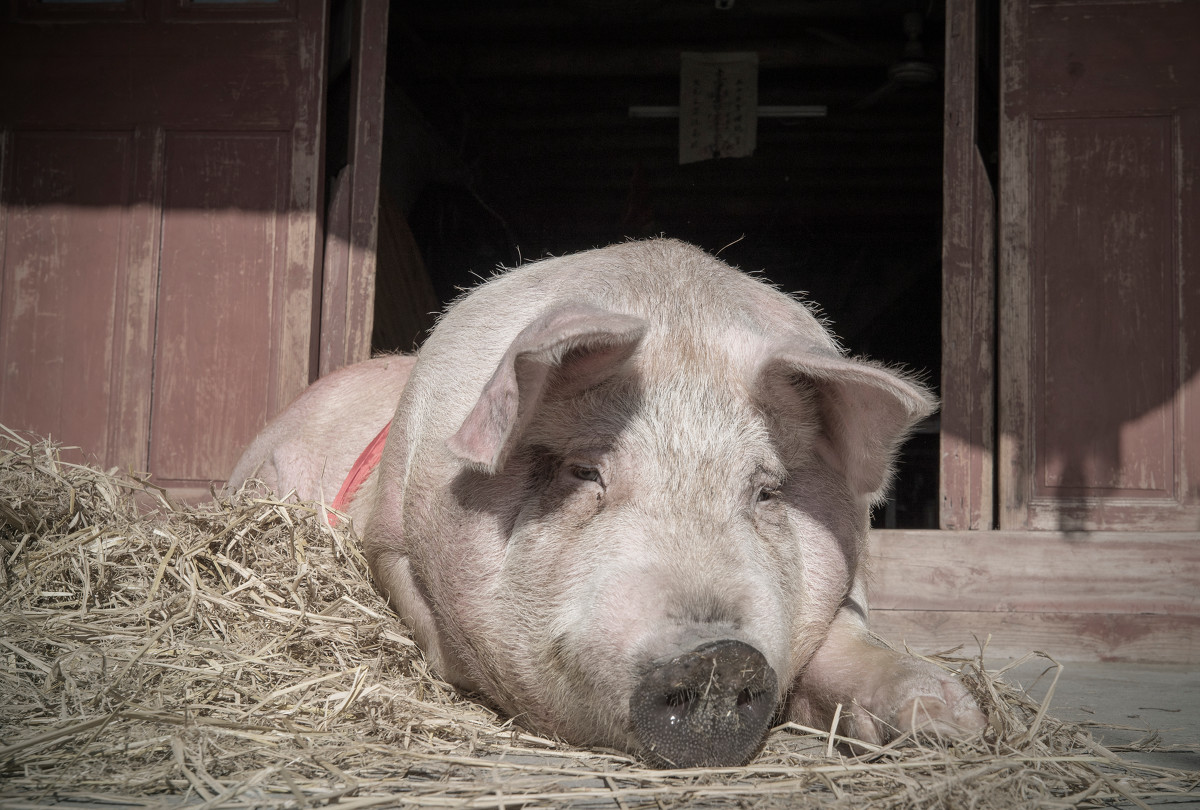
{"points": [[235, 655]]}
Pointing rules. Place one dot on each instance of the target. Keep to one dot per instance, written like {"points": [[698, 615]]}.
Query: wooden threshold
{"points": [[1102, 596]]}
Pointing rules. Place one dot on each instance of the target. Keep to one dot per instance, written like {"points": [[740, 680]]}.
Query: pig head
{"points": [[625, 495]]}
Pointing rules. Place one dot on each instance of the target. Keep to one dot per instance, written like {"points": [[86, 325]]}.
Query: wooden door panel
{"points": [[1101, 56], [70, 189], [1099, 267], [1104, 282], [223, 242]]}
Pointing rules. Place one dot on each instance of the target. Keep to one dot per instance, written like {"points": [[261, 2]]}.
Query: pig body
{"points": [[625, 496], [309, 448]]}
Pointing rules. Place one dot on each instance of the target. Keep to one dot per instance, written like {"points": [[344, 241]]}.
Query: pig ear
{"points": [[866, 411], [579, 345]]}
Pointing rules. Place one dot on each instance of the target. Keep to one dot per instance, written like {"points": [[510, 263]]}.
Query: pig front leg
{"points": [[883, 693]]}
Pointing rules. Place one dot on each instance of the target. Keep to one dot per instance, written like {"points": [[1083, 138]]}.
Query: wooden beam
{"points": [[485, 20], [1068, 637], [776, 150], [560, 60], [1092, 596]]}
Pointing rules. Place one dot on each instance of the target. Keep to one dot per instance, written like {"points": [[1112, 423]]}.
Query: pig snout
{"points": [[708, 707]]}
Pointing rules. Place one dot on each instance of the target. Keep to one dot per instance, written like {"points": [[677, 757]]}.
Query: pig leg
{"points": [[883, 693]]}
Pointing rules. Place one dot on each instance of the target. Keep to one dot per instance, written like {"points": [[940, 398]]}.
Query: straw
{"points": [[235, 655]]}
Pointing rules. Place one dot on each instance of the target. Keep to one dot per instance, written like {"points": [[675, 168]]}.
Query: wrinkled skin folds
{"points": [[624, 497]]}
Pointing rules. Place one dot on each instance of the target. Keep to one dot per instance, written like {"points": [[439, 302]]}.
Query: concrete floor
{"points": [[1138, 699]]}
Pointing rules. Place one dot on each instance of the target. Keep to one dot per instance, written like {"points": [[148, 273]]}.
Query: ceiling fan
{"points": [[912, 69]]}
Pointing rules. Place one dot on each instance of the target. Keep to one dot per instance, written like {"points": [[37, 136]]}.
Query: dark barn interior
{"points": [[508, 137]]}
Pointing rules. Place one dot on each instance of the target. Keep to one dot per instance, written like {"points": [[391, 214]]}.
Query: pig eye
{"points": [[767, 494], [584, 473]]}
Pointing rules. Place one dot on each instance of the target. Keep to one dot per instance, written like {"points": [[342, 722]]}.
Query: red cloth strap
{"points": [[367, 461]]}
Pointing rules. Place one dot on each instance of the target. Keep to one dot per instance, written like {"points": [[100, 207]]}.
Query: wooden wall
{"points": [[1077, 596]]}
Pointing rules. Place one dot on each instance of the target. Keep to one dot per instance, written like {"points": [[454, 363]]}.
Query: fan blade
{"points": [[871, 57], [872, 98]]}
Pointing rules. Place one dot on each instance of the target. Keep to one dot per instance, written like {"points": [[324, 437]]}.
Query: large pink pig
{"points": [[624, 495]]}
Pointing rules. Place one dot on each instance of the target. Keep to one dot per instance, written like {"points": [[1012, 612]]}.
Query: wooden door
{"points": [[1099, 275], [159, 224]]}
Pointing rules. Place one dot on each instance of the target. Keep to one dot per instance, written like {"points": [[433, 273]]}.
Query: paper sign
{"points": [[718, 105]]}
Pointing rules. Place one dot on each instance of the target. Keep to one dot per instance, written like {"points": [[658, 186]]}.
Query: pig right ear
{"points": [[578, 344]]}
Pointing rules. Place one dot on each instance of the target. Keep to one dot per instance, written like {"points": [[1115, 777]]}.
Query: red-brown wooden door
{"points": [[160, 184], [1099, 273]]}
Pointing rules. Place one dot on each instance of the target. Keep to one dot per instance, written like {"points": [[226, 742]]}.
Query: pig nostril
{"points": [[710, 706], [679, 697]]}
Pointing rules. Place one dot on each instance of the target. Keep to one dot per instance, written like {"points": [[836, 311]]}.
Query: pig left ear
{"points": [[576, 345], [866, 411]]}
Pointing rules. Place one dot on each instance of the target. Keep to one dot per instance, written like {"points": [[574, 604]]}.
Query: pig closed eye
{"points": [[767, 494]]}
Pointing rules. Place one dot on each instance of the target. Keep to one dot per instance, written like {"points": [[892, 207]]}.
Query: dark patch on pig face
{"points": [[500, 500]]}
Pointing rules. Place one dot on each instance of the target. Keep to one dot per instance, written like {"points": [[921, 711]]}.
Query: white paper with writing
{"points": [[718, 105]]}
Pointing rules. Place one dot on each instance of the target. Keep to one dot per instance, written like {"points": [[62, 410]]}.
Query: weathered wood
{"points": [[200, 229], [1118, 595], [369, 70], [352, 225], [968, 303], [1064, 636], [1012, 324], [63, 295], [1051, 572], [133, 359], [222, 264], [982, 463], [1100, 131], [335, 283]]}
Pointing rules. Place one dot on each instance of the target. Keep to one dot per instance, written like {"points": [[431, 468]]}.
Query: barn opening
{"points": [[509, 136]]}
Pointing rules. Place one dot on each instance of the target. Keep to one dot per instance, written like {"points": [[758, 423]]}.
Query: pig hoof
{"points": [[709, 707], [931, 703], [954, 714]]}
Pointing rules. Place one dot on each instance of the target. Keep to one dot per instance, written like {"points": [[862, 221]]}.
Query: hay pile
{"points": [[235, 655]]}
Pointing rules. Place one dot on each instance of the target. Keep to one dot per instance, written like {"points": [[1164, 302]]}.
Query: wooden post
{"points": [[352, 231], [968, 291]]}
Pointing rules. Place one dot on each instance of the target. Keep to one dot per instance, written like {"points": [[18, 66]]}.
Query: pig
{"points": [[624, 496]]}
